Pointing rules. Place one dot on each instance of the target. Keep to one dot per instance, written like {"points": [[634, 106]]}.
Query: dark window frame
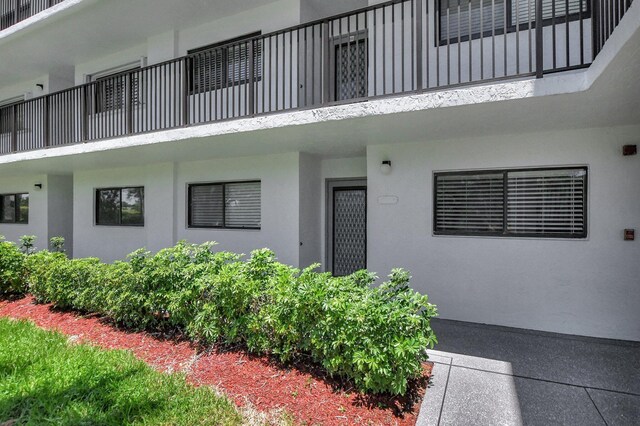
{"points": [[505, 233], [121, 188], [15, 108], [223, 48], [17, 213], [99, 89], [224, 205], [511, 26]]}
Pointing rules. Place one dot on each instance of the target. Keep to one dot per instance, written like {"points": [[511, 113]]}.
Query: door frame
{"points": [[331, 185]]}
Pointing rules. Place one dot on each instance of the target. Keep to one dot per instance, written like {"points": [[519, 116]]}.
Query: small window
{"points": [[455, 21], [120, 206], [112, 91], [225, 64], [8, 111], [529, 203], [14, 208], [234, 205]]}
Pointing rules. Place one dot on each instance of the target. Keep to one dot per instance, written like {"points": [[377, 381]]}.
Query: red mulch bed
{"points": [[302, 391]]}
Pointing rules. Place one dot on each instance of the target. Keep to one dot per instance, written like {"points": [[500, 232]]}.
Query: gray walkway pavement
{"points": [[487, 375]]}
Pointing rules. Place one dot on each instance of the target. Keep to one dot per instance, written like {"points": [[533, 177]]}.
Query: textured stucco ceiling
{"points": [[95, 28]]}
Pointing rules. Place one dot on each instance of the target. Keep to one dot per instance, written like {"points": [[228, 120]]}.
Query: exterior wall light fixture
{"points": [[385, 167]]}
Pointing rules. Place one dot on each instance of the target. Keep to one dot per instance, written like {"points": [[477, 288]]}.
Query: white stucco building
{"points": [[490, 156]]}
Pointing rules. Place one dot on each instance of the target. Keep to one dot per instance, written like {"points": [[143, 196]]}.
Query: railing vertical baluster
{"points": [[418, 52], [595, 28], [85, 113], [250, 84], [539, 41], [326, 55], [14, 128], [185, 91], [45, 126], [129, 104]]}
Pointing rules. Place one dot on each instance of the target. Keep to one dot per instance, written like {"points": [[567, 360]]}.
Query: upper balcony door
{"points": [[349, 62]]}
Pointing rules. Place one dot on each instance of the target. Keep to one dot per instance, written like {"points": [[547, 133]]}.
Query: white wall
{"points": [[37, 209], [127, 55], [279, 176], [310, 210], [114, 242], [336, 168], [586, 287], [268, 18], [60, 209]]}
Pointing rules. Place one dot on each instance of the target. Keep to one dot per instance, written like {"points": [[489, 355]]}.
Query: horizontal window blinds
{"points": [[545, 202], [227, 66], [111, 92], [207, 208], [454, 16], [243, 205], [225, 205], [470, 202], [463, 17], [550, 8]]}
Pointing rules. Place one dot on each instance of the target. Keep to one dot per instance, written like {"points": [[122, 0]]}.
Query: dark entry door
{"points": [[349, 248]]}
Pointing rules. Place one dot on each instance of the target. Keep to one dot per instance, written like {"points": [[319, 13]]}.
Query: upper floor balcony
{"points": [[390, 49], [14, 11]]}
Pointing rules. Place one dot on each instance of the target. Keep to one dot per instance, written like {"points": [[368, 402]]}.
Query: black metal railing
{"points": [[398, 47], [607, 15], [14, 11]]}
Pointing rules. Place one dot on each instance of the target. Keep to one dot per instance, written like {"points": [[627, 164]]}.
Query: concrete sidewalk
{"points": [[488, 375]]}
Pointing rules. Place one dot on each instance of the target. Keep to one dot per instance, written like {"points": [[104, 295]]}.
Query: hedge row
{"points": [[376, 337]]}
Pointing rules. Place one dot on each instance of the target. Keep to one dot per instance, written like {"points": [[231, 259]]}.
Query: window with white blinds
{"points": [[111, 92], [225, 64], [461, 18], [455, 20], [520, 9], [469, 203], [547, 202], [533, 203], [235, 205]]}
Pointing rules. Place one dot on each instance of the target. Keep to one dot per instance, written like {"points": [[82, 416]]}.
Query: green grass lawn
{"points": [[46, 381]]}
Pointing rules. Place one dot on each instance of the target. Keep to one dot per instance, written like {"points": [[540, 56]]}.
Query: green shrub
{"points": [[28, 244], [375, 337], [70, 284], [57, 244], [12, 279], [38, 271]]}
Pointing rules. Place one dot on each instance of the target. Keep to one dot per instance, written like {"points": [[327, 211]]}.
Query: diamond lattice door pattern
{"points": [[351, 70], [349, 230]]}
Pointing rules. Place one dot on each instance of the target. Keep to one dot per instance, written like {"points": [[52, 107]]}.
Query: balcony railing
{"points": [[394, 48], [14, 11]]}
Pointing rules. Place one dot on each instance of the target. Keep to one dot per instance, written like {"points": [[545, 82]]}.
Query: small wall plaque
{"points": [[388, 199], [629, 234], [629, 150]]}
